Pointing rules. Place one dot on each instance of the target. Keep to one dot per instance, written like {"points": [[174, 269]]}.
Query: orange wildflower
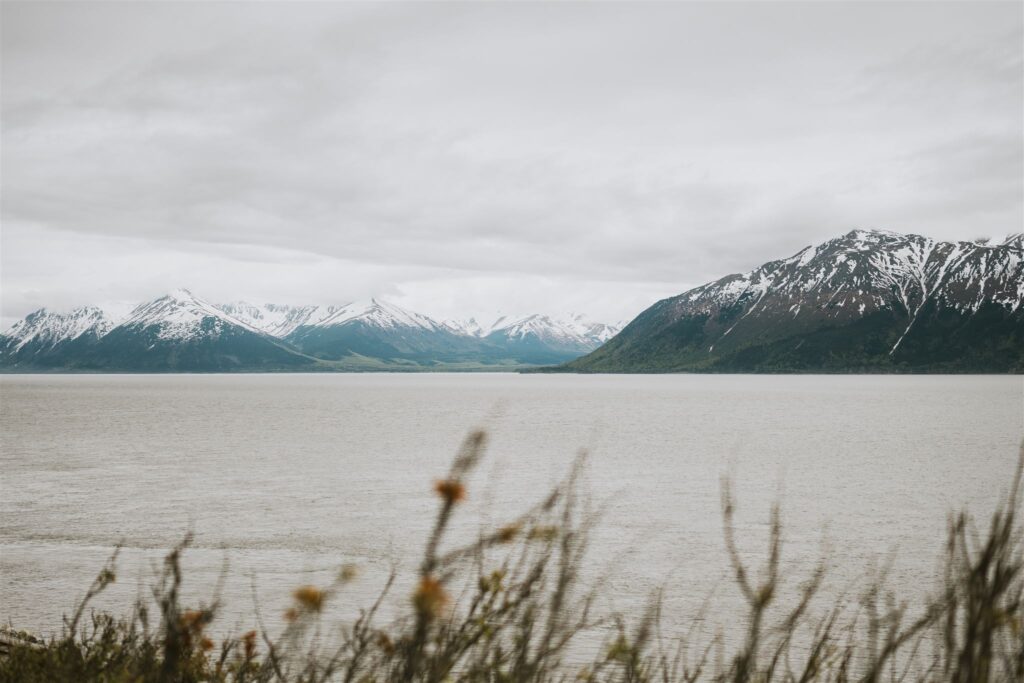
{"points": [[192, 620], [430, 597], [249, 642], [451, 490], [309, 597]]}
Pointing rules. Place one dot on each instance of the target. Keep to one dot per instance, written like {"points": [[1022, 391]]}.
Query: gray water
{"points": [[287, 477]]}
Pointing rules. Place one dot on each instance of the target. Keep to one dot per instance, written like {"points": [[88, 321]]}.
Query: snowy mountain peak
{"points": [[180, 315], [576, 331], [863, 273], [380, 314], [465, 328], [48, 328], [281, 320], [181, 295], [865, 299], [277, 320]]}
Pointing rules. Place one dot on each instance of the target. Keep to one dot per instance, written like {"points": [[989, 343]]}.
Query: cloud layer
{"points": [[463, 158]]}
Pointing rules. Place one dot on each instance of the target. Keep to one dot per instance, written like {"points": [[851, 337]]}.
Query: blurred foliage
{"points": [[527, 606]]}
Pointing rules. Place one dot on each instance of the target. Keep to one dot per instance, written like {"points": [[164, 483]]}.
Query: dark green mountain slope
{"points": [[215, 347]]}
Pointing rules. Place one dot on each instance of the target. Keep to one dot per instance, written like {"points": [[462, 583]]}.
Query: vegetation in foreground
{"points": [[527, 607]]}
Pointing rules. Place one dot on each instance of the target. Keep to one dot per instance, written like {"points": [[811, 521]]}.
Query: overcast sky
{"points": [[465, 158]]}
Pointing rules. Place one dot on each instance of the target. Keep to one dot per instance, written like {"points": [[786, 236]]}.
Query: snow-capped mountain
{"points": [[380, 314], [45, 329], [277, 320], [280, 320], [382, 330], [176, 332], [183, 332], [468, 328], [537, 339], [574, 329], [475, 328], [865, 271], [45, 334], [180, 315], [574, 333], [867, 299], [596, 333]]}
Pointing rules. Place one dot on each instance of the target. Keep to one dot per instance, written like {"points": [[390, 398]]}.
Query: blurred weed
{"points": [[525, 605]]}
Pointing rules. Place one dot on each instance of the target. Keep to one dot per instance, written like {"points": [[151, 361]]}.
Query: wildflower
{"points": [[507, 533], [430, 597], [249, 643], [192, 620], [291, 614], [451, 490], [206, 644], [309, 597]]}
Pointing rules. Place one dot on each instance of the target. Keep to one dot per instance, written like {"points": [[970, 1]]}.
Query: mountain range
{"points": [[867, 301], [181, 332]]}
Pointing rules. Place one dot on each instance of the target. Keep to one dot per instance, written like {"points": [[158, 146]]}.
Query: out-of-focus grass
{"points": [[526, 606]]}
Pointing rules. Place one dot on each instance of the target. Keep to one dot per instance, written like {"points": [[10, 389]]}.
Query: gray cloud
{"points": [[467, 157]]}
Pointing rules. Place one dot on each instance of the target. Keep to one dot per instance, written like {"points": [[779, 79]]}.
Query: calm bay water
{"points": [[286, 477]]}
